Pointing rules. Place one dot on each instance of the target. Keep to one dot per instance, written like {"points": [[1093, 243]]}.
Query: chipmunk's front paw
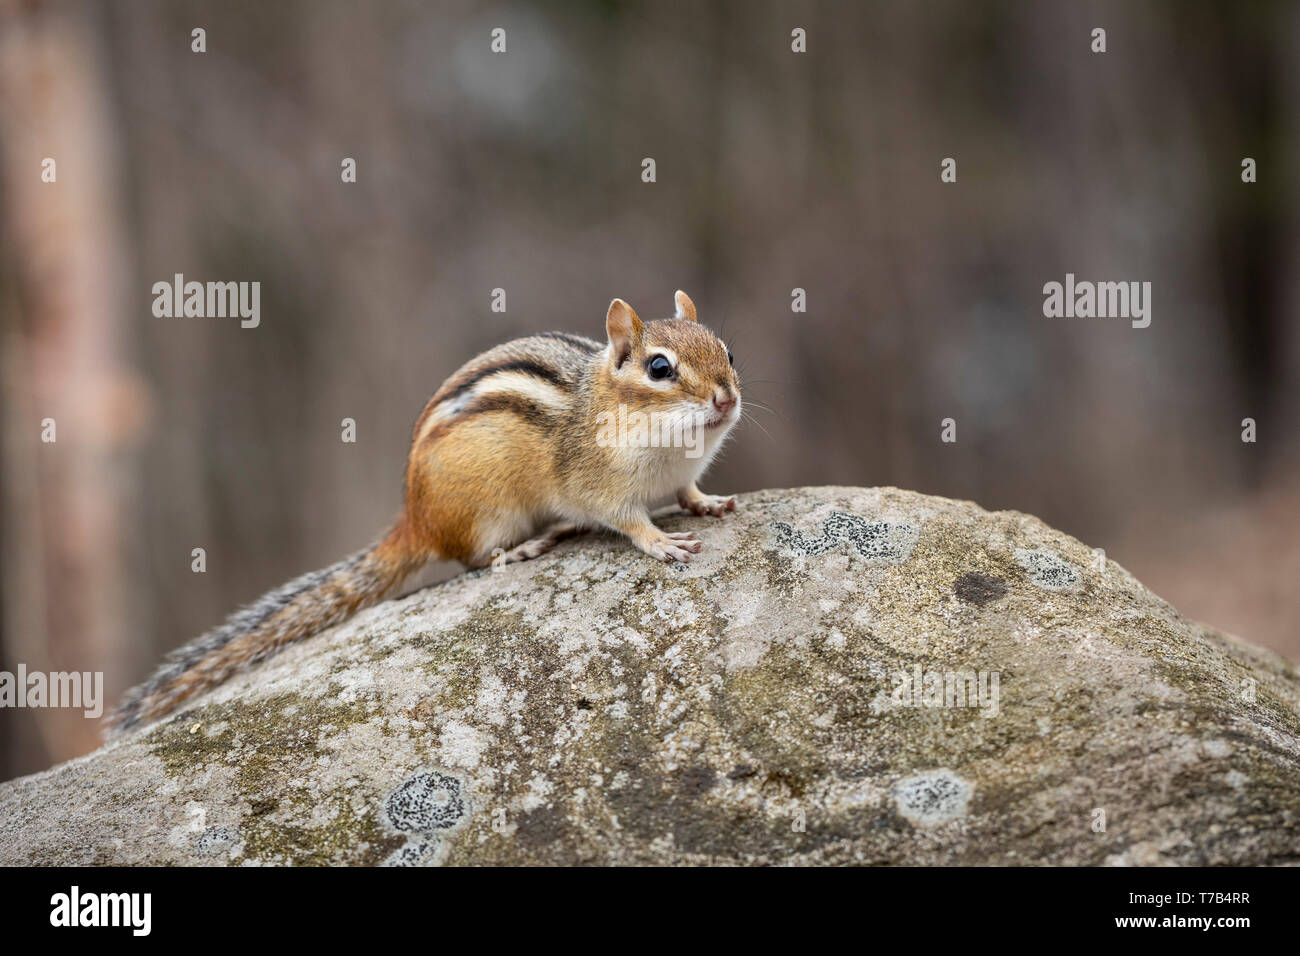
{"points": [[715, 505], [677, 546]]}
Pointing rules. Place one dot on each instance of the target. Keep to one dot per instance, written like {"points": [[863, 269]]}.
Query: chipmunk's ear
{"points": [[685, 307], [624, 329]]}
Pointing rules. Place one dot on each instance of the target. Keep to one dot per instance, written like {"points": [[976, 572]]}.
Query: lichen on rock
{"points": [[813, 688]]}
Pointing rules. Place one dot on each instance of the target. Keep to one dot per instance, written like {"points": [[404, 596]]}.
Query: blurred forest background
{"points": [[522, 171]]}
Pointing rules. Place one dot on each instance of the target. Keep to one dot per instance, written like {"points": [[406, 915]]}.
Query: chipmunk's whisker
{"points": [[745, 416]]}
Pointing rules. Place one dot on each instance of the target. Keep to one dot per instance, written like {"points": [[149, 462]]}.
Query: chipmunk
{"points": [[504, 463]]}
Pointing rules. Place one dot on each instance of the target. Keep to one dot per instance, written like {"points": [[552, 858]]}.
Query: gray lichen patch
{"points": [[428, 802], [429, 807], [594, 706], [932, 798], [216, 841], [874, 540], [1047, 570], [416, 852]]}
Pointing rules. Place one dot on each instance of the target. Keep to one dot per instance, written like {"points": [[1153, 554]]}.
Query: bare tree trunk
{"points": [[65, 606]]}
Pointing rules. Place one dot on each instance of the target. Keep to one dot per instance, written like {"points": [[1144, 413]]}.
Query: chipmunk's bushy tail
{"points": [[301, 608]]}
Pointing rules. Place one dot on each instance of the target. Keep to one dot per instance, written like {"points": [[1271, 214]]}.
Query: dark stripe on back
{"points": [[527, 366], [577, 341], [525, 408]]}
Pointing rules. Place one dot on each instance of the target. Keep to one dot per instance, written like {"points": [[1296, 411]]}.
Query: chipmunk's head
{"points": [[674, 367]]}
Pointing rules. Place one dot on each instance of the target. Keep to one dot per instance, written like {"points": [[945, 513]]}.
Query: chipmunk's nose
{"points": [[724, 400]]}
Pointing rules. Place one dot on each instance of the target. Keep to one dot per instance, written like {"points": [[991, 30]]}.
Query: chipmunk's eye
{"points": [[659, 367], [731, 359]]}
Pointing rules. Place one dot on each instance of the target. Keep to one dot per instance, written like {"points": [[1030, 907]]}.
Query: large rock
{"points": [[594, 706]]}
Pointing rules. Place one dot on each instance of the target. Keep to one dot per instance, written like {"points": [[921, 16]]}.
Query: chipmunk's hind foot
{"points": [[538, 546]]}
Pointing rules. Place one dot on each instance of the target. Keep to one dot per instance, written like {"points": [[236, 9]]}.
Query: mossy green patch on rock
{"points": [[843, 675]]}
